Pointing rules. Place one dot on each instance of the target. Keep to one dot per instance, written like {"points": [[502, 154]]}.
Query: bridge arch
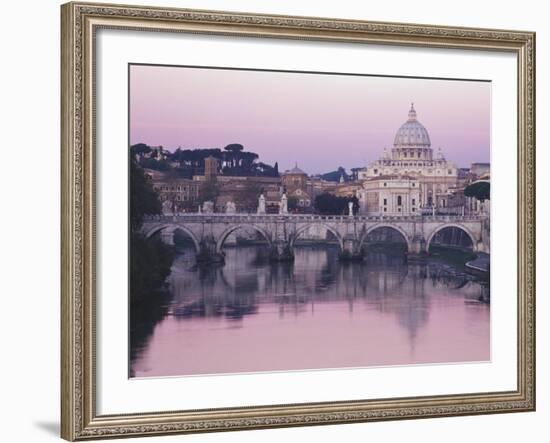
{"points": [[231, 229], [329, 228], [452, 225], [389, 226], [173, 227]]}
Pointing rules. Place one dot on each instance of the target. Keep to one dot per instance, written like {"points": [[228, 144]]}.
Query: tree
{"points": [[150, 259], [140, 148], [335, 176], [233, 154], [246, 198], [292, 203], [150, 264], [481, 190], [153, 163], [329, 204], [234, 147], [209, 191], [143, 198]]}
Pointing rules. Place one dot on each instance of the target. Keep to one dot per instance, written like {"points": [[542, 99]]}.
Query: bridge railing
{"points": [[224, 218]]}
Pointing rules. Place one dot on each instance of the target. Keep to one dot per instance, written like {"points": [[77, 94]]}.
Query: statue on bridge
{"points": [[167, 208], [350, 209], [208, 207], [230, 208], [283, 207], [261, 204]]}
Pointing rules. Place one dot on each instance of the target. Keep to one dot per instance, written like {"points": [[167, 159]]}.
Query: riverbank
{"points": [[481, 265], [453, 256]]}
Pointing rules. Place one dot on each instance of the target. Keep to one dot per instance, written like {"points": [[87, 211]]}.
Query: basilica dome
{"points": [[412, 133]]}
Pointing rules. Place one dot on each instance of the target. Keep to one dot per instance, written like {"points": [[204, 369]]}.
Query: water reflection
{"points": [[252, 315]]}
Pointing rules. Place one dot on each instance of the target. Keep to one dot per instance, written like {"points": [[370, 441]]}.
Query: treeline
{"points": [[329, 204], [336, 176], [233, 160]]}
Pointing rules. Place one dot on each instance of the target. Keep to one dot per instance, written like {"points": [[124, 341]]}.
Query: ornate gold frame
{"points": [[79, 420]]}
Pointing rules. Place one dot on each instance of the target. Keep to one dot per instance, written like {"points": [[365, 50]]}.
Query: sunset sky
{"points": [[319, 121]]}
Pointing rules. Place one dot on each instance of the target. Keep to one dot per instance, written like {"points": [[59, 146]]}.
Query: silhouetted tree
{"points": [[329, 204], [335, 176], [150, 259], [292, 203], [479, 190], [143, 198]]}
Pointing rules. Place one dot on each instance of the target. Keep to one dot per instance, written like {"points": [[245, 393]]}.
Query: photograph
{"points": [[300, 220]]}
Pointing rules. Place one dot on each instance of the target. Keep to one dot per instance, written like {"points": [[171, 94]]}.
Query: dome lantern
{"points": [[412, 113]]}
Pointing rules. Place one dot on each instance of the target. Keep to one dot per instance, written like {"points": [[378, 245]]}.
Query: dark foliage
{"points": [[328, 204], [479, 190], [232, 161], [153, 163], [150, 263], [335, 176], [292, 203], [150, 259], [143, 198], [140, 148]]}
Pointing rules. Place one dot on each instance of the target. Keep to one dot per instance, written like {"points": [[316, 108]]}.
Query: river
{"points": [[316, 313]]}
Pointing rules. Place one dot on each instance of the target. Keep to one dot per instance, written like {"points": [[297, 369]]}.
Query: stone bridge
{"points": [[209, 231]]}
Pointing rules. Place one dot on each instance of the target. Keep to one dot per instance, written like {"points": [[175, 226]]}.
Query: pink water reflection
{"points": [[317, 315]]}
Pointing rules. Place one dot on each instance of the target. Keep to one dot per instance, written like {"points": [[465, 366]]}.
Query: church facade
{"points": [[411, 173]]}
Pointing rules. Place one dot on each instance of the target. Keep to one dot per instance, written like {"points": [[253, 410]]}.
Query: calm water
{"points": [[250, 315]]}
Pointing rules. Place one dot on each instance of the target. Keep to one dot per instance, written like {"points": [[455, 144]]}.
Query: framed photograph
{"points": [[283, 221]]}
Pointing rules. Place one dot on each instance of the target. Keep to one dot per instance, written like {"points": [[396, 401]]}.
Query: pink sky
{"points": [[319, 121]]}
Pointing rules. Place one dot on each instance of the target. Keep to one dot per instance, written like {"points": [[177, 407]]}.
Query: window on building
{"points": [[413, 209], [399, 200], [385, 184], [385, 209], [450, 171], [385, 201], [414, 201], [376, 171], [398, 209]]}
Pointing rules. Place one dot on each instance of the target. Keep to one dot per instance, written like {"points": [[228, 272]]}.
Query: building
{"points": [[177, 194], [151, 152], [390, 195], [245, 191], [347, 189], [480, 169], [297, 185], [318, 186], [413, 156], [210, 168]]}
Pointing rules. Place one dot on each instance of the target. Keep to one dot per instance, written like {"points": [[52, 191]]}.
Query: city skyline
{"points": [[284, 117]]}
